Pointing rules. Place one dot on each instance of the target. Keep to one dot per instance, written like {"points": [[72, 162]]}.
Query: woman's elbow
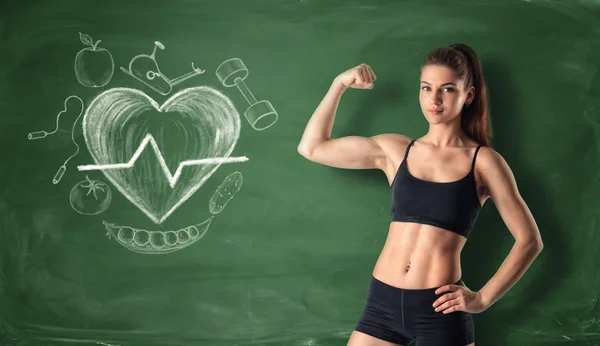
{"points": [[304, 150]]}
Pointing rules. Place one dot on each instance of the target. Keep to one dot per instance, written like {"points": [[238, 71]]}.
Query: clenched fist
{"points": [[359, 77]]}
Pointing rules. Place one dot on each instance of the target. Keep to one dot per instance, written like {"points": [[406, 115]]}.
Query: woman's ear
{"points": [[470, 96]]}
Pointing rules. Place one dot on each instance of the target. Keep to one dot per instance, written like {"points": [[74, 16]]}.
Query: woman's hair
{"points": [[462, 59]]}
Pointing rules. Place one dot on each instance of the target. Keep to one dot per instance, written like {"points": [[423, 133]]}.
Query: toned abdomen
{"points": [[431, 254]]}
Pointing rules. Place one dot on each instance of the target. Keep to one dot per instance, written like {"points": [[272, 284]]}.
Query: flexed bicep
{"points": [[353, 152]]}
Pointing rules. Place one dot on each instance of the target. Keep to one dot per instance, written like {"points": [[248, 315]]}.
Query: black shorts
{"points": [[400, 315]]}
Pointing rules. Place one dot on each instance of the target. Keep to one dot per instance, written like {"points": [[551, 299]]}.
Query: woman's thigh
{"points": [[436, 329], [361, 339]]}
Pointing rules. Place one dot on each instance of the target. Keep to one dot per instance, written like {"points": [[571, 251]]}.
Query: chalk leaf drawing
{"points": [[90, 197], [105, 344], [144, 68], [94, 66], [156, 242], [200, 121]]}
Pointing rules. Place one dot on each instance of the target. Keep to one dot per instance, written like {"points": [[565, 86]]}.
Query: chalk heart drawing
{"points": [[205, 125]]}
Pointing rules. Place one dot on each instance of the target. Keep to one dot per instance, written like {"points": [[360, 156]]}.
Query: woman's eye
{"points": [[426, 88]]}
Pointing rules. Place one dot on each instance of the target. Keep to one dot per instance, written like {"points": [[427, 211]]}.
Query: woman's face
{"points": [[442, 94]]}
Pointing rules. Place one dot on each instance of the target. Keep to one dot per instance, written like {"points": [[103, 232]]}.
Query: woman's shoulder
{"points": [[392, 138], [489, 156], [392, 142], [493, 164]]}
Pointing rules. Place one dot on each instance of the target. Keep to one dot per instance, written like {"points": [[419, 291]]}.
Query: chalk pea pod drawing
{"points": [[156, 242], [117, 128]]}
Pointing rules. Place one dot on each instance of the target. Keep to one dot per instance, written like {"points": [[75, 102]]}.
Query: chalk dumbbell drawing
{"points": [[225, 192], [261, 114], [43, 134], [156, 242], [144, 68], [117, 127], [94, 66]]}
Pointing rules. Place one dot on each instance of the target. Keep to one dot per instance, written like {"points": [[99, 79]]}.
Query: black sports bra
{"points": [[453, 206]]}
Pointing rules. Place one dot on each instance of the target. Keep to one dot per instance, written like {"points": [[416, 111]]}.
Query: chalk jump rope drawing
{"points": [[205, 113], [43, 134], [144, 68]]}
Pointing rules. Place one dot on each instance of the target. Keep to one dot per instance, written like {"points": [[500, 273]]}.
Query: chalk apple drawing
{"points": [[94, 66], [195, 123]]}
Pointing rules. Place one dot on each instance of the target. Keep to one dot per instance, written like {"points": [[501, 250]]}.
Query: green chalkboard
{"points": [[133, 221]]}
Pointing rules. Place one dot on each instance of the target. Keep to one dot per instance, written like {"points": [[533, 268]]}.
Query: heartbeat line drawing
{"points": [[163, 164]]}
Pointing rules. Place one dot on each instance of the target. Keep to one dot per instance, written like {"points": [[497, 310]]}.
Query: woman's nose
{"points": [[435, 100]]}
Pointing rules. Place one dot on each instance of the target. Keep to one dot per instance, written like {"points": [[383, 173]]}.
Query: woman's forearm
{"points": [[512, 269]]}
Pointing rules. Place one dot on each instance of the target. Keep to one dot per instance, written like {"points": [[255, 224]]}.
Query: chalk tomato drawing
{"points": [[90, 197], [94, 66]]}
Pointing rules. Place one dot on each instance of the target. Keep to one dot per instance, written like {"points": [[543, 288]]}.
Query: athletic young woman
{"points": [[438, 184]]}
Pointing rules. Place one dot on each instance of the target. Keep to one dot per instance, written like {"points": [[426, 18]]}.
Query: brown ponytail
{"points": [[462, 59]]}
